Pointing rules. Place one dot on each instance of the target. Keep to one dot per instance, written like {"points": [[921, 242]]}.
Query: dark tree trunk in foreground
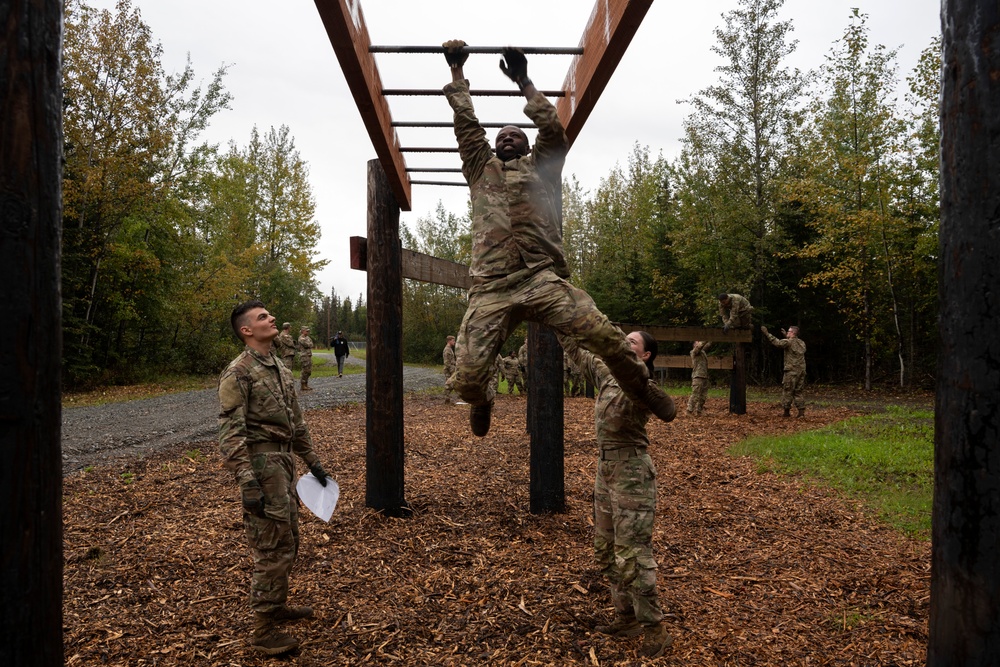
{"points": [[30, 415], [965, 573]]}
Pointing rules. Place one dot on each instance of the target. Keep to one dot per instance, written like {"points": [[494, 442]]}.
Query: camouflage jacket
{"points": [[511, 369], [450, 363], [737, 314], [522, 355], [515, 219], [795, 352], [258, 405], [619, 422], [284, 346], [699, 360], [305, 345]]}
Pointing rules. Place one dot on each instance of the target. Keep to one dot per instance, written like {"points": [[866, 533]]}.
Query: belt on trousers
{"points": [[622, 453], [261, 447]]}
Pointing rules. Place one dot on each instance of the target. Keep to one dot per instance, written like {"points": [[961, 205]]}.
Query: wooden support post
{"points": [[738, 381], [31, 141], [545, 416], [384, 383], [964, 624]]}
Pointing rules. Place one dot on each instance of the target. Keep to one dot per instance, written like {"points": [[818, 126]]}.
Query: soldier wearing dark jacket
{"points": [[518, 269], [341, 350], [260, 428]]}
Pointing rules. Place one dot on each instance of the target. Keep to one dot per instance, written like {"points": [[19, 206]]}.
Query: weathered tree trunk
{"points": [[384, 384], [545, 414], [30, 414], [965, 571]]}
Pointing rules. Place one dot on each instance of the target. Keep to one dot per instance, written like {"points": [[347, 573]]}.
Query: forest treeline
{"points": [[814, 194]]}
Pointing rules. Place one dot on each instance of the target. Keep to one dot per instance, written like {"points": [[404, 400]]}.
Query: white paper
{"points": [[321, 500]]}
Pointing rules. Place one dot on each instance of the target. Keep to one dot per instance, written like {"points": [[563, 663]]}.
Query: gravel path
{"points": [[131, 429]]}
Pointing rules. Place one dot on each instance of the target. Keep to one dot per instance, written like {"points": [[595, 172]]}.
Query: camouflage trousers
{"points": [[793, 385], [624, 509], [306, 362], [514, 380], [274, 537], [498, 306], [288, 361], [449, 378], [699, 391]]}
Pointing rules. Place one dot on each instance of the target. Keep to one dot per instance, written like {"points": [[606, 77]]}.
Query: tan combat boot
{"points": [[268, 639], [655, 640], [621, 626], [291, 613]]}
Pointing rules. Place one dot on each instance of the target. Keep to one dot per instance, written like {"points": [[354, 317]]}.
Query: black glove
{"points": [[317, 470], [253, 497], [516, 66], [454, 53], [725, 328]]}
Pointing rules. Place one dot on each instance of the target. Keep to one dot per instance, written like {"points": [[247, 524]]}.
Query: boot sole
{"points": [[275, 651]]}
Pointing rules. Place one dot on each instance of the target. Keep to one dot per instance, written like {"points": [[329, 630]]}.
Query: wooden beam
{"points": [[345, 25], [417, 266], [684, 361], [609, 31], [688, 334]]}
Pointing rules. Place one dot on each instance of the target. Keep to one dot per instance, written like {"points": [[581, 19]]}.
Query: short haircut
{"points": [[723, 296], [237, 316], [794, 329], [450, 338]]}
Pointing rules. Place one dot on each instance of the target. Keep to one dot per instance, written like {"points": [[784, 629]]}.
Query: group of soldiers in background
{"points": [[286, 347]]}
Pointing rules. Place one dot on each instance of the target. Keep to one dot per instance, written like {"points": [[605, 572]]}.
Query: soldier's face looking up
{"points": [[638, 346], [511, 142], [258, 324]]}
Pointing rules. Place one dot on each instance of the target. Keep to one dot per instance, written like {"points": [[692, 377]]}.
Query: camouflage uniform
{"points": [[448, 355], [512, 373], [305, 346], [260, 427], [793, 382], [624, 495], [699, 378], [522, 364], [286, 348], [737, 314], [518, 269], [495, 373]]}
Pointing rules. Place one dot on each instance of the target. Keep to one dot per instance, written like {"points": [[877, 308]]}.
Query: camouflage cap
{"points": [[286, 325]]}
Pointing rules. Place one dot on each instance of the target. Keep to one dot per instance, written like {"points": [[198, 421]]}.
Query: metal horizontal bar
{"points": [[413, 92], [461, 185], [435, 123], [528, 50], [427, 149], [435, 170]]}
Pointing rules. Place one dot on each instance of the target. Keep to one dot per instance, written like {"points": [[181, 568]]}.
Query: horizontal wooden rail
{"points": [[417, 266], [688, 334], [684, 361]]}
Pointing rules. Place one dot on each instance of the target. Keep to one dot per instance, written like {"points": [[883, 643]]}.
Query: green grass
{"points": [[885, 459]]}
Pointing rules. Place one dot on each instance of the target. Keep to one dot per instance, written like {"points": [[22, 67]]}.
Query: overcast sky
{"points": [[283, 71]]}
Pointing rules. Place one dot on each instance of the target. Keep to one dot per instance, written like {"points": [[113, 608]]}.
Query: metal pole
{"points": [[528, 50]]}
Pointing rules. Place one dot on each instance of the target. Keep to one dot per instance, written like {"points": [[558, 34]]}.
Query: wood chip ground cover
{"points": [[755, 568]]}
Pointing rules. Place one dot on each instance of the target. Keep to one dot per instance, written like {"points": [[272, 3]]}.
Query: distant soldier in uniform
{"points": [[512, 373], [286, 346], [305, 346], [495, 372], [522, 364], [793, 382], [625, 501], [572, 377], [518, 269], [260, 427], [448, 354], [341, 350], [735, 311], [699, 377]]}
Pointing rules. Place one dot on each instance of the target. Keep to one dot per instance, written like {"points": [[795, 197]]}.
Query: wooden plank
{"points": [[684, 361], [417, 266], [345, 25], [688, 334], [609, 31]]}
